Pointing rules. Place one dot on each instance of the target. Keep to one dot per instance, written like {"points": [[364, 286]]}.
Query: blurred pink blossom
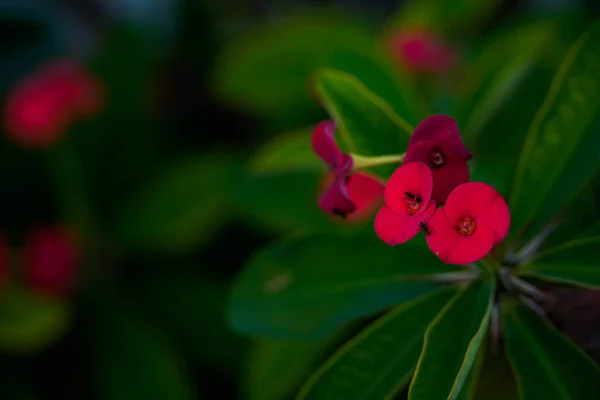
{"points": [[421, 51]]}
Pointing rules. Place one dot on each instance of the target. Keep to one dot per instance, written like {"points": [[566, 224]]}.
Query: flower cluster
{"points": [[473, 216], [429, 192], [41, 107], [348, 193]]}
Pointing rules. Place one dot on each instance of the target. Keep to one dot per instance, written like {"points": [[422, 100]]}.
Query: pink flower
{"points": [[474, 219], [408, 204], [42, 107], [348, 193], [51, 261], [436, 142], [420, 51]]}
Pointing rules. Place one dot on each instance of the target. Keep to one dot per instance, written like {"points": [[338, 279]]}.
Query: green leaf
{"points": [[291, 151], [276, 368], [468, 390], [306, 286], [283, 202], [559, 153], [505, 62], [134, 359], [367, 123], [267, 71], [547, 365], [380, 360], [180, 208], [29, 322], [192, 306], [574, 263], [452, 342]]}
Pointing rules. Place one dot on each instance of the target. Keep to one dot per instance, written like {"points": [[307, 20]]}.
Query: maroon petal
{"points": [[336, 198], [323, 143], [454, 172], [443, 130]]}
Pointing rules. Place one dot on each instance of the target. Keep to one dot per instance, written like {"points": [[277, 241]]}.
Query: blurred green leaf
{"points": [[268, 70], [559, 155], [440, 15], [29, 322], [504, 63], [276, 368], [283, 202], [135, 360], [574, 263], [178, 209], [467, 392], [306, 286], [547, 365], [452, 342], [193, 307], [380, 360], [290, 151], [367, 123]]}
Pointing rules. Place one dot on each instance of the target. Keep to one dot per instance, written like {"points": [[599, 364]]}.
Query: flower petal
{"points": [[442, 130], [323, 143], [413, 177], [366, 192], [497, 218], [396, 228], [470, 199], [453, 172], [336, 199], [452, 248]]}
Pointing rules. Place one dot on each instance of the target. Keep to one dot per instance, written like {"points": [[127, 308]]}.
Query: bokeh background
{"points": [[145, 209]]}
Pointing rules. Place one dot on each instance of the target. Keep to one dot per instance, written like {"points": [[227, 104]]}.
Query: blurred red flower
{"points": [[42, 106], [407, 204], [51, 261], [421, 51], [348, 194], [474, 219], [436, 142]]}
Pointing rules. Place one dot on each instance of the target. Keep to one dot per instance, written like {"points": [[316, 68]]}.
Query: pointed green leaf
{"points": [[574, 263], [452, 342], [180, 208], [547, 365], [276, 368], [29, 322], [559, 154], [291, 151], [306, 286], [367, 124], [380, 360], [497, 72]]}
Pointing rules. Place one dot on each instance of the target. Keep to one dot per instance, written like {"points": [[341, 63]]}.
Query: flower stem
{"points": [[361, 162]]}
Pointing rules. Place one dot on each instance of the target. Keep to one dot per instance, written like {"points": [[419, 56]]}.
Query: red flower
{"points": [[474, 219], [436, 142], [51, 259], [348, 193], [421, 51], [40, 108], [407, 204]]}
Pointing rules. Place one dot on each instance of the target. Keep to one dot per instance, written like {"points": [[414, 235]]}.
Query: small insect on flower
{"points": [[425, 228]]}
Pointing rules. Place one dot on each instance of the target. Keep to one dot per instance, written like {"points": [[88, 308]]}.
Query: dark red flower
{"points": [[348, 194], [420, 51], [407, 204], [50, 261], [41, 107], [436, 142], [474, 219]]}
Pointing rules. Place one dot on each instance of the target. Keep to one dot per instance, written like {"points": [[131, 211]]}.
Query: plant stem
{"points": [[361, 162]]}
